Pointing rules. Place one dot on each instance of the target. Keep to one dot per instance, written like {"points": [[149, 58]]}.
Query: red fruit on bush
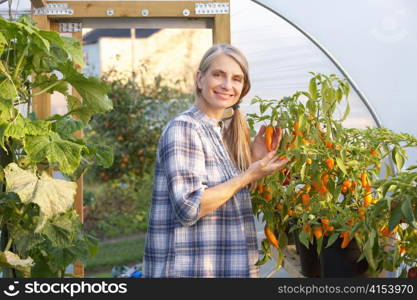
{"points": [[412, 272]]}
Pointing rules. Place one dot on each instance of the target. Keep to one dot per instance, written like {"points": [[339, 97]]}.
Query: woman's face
{"points": [[222, 83]]}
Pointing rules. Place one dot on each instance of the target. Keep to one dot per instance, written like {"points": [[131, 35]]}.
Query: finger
{"points": [[259, 135], [274, 160], [261, 130], [278, 130], [282, 163], [276, 138], [279, 164]]}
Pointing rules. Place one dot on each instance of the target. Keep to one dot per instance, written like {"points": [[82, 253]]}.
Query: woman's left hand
{"points": [[259, 147]]}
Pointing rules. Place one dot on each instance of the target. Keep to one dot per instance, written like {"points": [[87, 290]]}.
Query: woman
{"points": [[201, 222]]}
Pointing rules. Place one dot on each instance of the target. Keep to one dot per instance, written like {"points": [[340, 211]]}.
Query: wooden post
{"points": [[79, 201], [38, 3], [221, 29], [42, 108], [42, 104]]}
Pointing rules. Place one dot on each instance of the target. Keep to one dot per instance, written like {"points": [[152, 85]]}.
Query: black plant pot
{"points": [[338, 262], [309, 259]]}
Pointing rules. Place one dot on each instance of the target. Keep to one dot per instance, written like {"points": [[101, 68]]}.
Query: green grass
{"points": [[100, 275], [124, 252]]}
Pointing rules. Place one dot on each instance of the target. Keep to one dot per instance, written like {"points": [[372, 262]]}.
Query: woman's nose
{"points": [[227, 83]]}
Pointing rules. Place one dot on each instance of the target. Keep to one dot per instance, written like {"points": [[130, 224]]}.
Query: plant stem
{"points": [[19, 64], [9, 244], [47, 88]]}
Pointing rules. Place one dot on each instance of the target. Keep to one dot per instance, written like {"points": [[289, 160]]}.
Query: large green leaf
{"points": [[65, 153], [395, 218], [73, 48], [37, 127], [60, 231], [7, 89], [103, 154], [83, 112], [6, 109], [313, 88], [53, 196], [52, 37], [3, 43], [341, 165], [407, 210], [67, 126], [16, 128], [11, 260], [50, 84], [92, 91]]}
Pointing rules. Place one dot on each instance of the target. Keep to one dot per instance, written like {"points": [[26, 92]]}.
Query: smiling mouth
{"points": [[223, 94]]}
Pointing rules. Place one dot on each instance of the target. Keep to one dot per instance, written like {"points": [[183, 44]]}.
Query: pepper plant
{"points": [[326, 191], [40, 231]]}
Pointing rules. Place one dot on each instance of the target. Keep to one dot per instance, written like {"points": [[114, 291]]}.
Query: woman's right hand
{"points": [[265, 166]]}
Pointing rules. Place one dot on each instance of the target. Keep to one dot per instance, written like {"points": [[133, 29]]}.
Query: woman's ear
{"points": [[198, 79]]}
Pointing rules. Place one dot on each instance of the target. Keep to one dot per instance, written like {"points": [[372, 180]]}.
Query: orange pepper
{"points": [[364, 179], [347, 184], [268, 197], [270, 236], [386, 233], [309, 161], [307, 228], [318, 232], [324, 179], [329, 145], [330, 163], [346, 239], [316, 186], [305, 199], [323, 190], [367, 200], [325, 222], [373, 152], [260, 188], [296, 127], [269, 131]]}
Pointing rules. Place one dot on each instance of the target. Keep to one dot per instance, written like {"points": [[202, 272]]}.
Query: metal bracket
{"points": [[213, 8], [70, 27], [54, 9]]}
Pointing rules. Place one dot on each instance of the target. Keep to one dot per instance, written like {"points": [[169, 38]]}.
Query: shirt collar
{"points": [[202, 116]]}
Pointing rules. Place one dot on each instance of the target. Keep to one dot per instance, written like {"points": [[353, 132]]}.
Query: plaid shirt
{"points": [[191, 157]]}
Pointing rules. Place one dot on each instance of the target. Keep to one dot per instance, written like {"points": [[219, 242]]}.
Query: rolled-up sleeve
{"points": [[182, 156]]}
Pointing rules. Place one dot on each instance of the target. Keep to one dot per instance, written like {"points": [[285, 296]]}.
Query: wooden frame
{"points": [[121, 9]]}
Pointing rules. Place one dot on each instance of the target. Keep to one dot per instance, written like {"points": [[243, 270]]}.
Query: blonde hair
{"points": [[236, 135]]}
